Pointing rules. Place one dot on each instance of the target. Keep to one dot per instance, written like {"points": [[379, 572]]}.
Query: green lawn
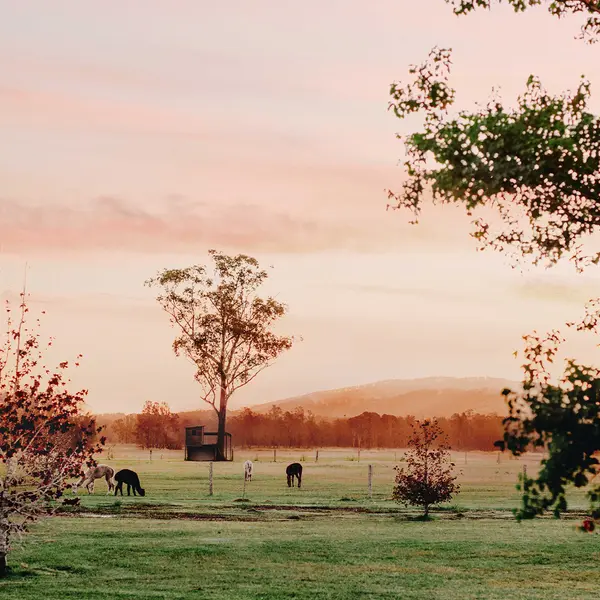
{"points": [[326, 540], [336, 478], [349, 556]]}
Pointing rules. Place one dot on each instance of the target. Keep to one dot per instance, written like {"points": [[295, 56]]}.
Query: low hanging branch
{"points": [[590, 30], [537, 166], [224, 327], [564, 420]]}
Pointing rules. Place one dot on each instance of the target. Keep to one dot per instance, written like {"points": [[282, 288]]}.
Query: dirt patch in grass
{"points": [[167, 515], [281, 512]]}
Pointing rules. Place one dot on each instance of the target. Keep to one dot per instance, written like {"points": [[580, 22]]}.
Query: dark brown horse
{"points": [[294, 470], [131, 479]]}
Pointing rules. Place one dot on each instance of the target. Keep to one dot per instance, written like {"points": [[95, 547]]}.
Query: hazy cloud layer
{"points": [[111, 223], [558, 292]]}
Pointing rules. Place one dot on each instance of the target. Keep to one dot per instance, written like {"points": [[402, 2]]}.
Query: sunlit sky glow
{"points": [[136, 135]]}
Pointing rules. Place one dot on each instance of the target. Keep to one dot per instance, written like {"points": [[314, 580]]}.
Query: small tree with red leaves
{"points": [[45, 439], [427, 478]]}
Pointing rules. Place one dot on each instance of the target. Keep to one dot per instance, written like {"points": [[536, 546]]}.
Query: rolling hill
{"points": [[426, 397]]}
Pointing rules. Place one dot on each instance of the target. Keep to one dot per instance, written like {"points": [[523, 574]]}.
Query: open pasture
{"points": [[338, 478], [327, 540]]}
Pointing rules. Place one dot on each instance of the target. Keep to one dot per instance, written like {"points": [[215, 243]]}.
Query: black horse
{"points": [[131, 479], [294, 470]]}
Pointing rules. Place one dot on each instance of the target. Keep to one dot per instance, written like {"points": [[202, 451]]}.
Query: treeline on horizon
{"points": [[158, 427]]}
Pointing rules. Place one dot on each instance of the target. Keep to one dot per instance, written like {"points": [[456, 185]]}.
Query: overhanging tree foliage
{"points": [[537, 167], [563, 419], [224, 326], [559, 8]]}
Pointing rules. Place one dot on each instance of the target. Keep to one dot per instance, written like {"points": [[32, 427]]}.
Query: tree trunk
{"points": [[4, 541], [222, 416]]}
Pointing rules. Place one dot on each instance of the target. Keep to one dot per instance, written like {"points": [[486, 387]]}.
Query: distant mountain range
{"points": [[426, 397]]}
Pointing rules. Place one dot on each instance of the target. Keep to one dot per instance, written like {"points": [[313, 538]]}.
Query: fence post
{"points": [[274, 454], [317, 456], [210, 479], [370, 481], [150, 453], [359, 454]]}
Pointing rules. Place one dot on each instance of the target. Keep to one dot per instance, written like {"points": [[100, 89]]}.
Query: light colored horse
{"points": [[97, 472], [248, 470]]}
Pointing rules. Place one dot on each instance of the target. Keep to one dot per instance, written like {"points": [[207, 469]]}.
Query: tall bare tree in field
{"points": [[225, 328]]}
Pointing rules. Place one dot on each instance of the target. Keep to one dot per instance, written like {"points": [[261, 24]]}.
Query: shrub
{"points": [[427, 478]]}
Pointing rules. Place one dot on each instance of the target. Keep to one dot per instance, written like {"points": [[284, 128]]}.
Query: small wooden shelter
{"points": [[201, 445]]}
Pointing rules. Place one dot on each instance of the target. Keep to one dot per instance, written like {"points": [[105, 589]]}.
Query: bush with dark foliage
{"points": [[427, 479]]}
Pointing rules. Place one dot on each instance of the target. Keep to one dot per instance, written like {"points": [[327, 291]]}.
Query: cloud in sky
{"points": [[33, 107], [180, 226], [573, 292], [413, 292]]}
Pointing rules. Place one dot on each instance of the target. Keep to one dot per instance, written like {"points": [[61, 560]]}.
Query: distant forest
{"points": [[157, 427]]}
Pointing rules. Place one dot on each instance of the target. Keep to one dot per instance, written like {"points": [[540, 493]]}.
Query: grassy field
{"points": [[338, 478], [326, 540]]}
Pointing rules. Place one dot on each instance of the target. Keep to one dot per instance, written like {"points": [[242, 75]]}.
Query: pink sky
{"points": [[136, 135]]}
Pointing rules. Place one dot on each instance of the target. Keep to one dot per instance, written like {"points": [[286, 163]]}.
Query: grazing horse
{"points": [[131, 479], [248, 470], [294, 470], [93, 473]]}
